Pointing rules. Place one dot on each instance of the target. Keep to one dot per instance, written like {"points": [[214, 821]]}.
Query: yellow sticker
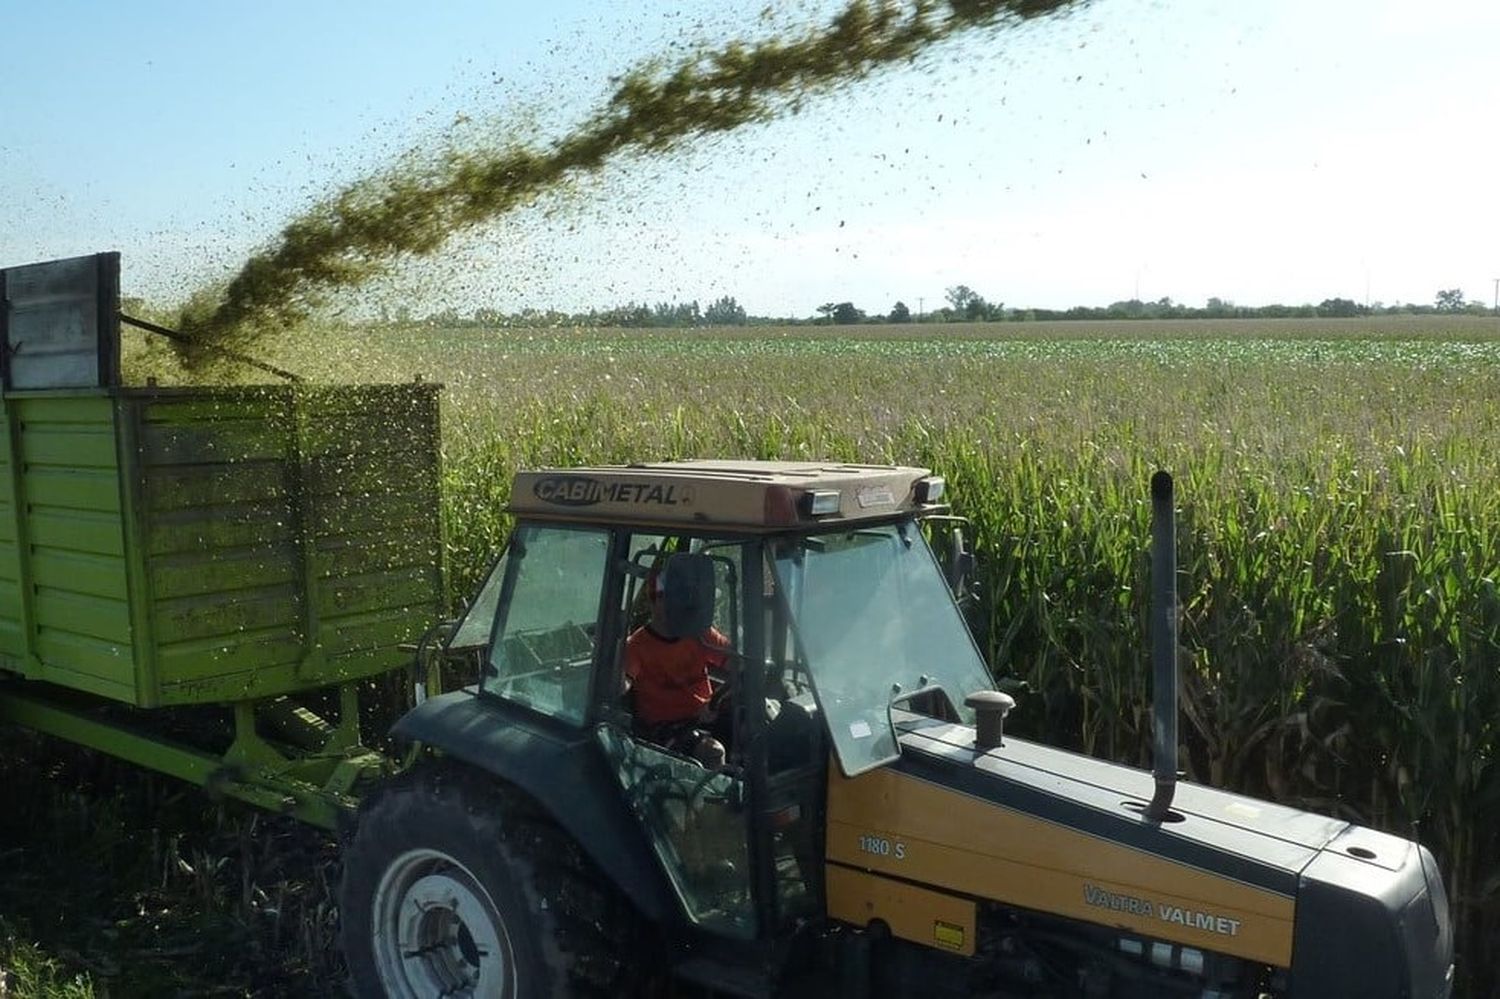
{"points": [[948, 935]]}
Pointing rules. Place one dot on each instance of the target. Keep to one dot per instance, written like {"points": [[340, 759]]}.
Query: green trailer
{"points": [[179, 562]]}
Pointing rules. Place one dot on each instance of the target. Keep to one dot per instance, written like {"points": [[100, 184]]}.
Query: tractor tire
{"points": [[454, 885]]}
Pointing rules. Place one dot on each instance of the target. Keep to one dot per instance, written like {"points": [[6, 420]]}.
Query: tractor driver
{"points": [[667, 664]]}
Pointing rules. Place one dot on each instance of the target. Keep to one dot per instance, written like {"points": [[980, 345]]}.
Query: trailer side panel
{"points": [[70, 622]]}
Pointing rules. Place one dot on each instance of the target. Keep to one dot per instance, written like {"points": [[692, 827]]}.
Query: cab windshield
{"points": [[876, 626]]}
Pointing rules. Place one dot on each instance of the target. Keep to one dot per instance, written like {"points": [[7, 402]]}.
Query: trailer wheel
{"points": [[454, 887]]}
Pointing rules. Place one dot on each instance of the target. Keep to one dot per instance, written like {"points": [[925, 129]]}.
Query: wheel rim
{"points": [[438, 932]]}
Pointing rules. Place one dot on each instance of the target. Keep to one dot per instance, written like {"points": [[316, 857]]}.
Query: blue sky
{"points": [[1274, 151]]}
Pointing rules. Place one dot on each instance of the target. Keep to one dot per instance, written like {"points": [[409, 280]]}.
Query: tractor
{"points": [[872, 831]]}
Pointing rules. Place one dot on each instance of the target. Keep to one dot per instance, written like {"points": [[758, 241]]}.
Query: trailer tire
{"points": [[454, 885]]}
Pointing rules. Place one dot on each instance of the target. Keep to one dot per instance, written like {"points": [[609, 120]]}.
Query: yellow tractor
{"points": [[872, 831]]}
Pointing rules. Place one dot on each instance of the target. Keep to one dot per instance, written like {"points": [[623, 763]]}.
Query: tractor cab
{"points": [[822, 615]]}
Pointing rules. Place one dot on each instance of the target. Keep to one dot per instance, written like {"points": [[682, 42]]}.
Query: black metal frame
{"points": [[107, 292], [106, 271]]}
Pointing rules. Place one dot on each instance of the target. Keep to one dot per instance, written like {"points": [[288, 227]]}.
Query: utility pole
{"points": [[920, 300], [1497, 296]]}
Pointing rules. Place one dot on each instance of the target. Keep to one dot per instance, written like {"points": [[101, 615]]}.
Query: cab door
{"points": [[698, 820]]}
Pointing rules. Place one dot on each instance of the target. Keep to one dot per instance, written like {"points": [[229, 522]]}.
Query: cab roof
{"points": [[767, 495]]}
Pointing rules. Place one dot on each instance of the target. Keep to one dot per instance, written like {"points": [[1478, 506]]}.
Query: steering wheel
{"points": [[666, 782]]}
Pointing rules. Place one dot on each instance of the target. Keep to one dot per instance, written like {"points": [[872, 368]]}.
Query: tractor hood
{"points": [[1278, 836], [1058, 833]]}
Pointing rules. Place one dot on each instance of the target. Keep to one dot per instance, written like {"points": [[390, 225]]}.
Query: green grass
{"points": [[1339, 484], [26, 971]]}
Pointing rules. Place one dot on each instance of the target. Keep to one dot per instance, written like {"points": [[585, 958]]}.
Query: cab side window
{"points": [[542, 652]]}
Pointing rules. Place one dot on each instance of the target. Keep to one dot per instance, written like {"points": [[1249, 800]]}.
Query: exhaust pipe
{"points": [[1163, 645]]}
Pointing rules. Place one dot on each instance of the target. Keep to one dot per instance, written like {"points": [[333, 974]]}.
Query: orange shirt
{"points": [[669, 676]]}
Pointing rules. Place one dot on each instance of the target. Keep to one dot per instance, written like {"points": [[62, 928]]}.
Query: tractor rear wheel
{"points": [[453, 886]]}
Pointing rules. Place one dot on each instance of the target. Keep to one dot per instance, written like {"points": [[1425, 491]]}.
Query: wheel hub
{"points": [[438, 932]]}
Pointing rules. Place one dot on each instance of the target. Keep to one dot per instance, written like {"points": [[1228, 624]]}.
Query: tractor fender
{"points": [[563, 770]]}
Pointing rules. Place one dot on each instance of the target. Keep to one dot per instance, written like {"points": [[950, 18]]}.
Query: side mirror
{"points": [[945, 536], [960, 563], [958, 566]]}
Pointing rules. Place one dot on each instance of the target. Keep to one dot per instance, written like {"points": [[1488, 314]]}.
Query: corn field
{"points": [[1339, 529]]}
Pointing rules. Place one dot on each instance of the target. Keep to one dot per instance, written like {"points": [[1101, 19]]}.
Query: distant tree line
{"points": [[962, 304], [724, 311]]}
